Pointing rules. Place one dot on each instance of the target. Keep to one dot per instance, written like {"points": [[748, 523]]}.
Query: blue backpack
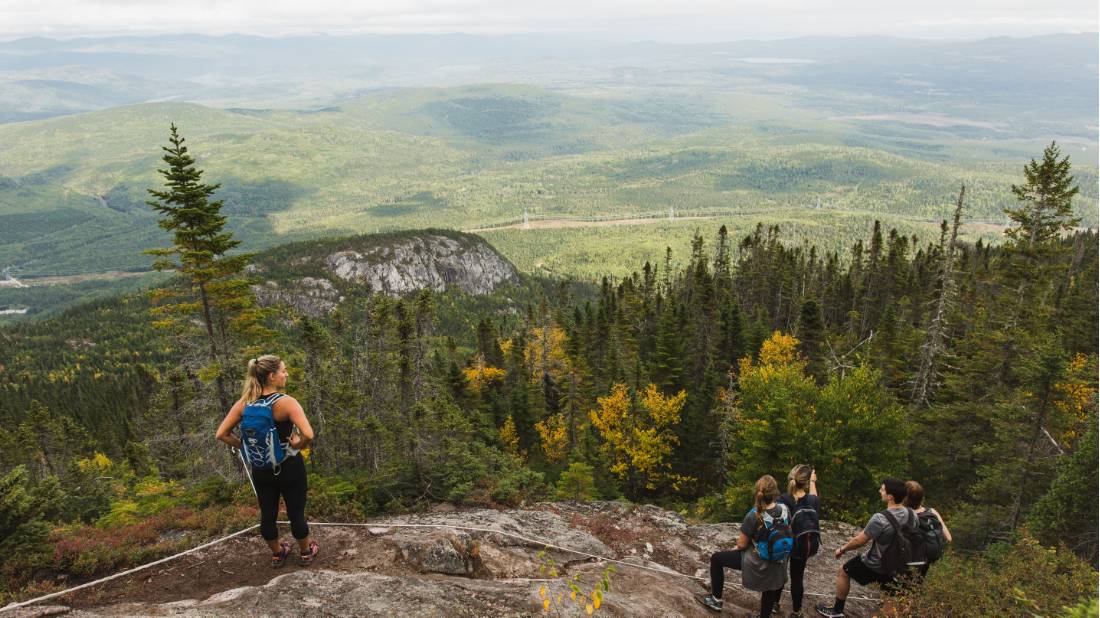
{"points": [[774, 540], [260, 445]]}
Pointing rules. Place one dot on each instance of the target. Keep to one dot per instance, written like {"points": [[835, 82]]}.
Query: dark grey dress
{"points": [[757, 573]]}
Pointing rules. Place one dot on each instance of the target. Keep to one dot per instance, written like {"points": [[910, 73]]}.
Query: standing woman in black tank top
{"points": [[266, 376]]}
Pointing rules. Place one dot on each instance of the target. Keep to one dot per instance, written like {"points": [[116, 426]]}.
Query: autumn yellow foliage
{"points": [[480, 375], [545, 353], [639, 436], [1075, 396], [554, 437], [509, 437]]}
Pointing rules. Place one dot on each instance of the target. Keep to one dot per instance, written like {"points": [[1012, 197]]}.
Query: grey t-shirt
{"points": [[882, 533], [757, 573]]}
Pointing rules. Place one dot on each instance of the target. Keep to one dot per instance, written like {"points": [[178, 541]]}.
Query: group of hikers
{"points": [[905, 537], [779, 530]]}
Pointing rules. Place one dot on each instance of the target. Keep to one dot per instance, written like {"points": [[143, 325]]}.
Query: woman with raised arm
{"points": [[801, 499], [273, 429]]}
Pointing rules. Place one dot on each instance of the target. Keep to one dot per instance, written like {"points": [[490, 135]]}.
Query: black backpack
{"points": [[932, 531], [907, 550], [807, 531]]}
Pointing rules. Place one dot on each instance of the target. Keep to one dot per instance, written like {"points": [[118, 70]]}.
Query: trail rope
{"points": [[533, 541]]}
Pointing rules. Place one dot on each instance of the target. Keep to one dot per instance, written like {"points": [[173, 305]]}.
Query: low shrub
{"points": [[1021, 578]]}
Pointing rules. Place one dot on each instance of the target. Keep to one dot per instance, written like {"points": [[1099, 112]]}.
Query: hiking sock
{"points": [[839, 606]]}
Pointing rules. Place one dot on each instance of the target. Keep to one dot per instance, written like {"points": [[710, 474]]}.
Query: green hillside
{"points": [[72, 189]]}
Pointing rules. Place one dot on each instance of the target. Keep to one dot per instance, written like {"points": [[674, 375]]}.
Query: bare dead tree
{"points": [[840, 363], [936, 335]]}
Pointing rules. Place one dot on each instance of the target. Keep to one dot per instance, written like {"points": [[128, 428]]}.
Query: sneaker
{"points": [[828, 612], [279, 559], [306, 559], [709, 602]]}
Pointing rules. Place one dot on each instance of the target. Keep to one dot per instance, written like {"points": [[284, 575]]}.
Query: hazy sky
{"points": [[666, 20]]}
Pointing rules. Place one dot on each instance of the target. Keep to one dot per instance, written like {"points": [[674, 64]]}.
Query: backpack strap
{"points": [[270, 400], [265, 400], [893, 521]]}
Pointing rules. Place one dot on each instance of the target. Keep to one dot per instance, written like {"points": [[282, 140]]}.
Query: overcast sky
{"points": [[664, 20]]}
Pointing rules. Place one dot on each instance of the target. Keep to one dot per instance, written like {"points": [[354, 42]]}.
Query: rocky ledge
{"points": [[457, 563], [393, 264]]}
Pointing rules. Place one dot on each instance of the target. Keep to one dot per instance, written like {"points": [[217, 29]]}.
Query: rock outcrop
{"points": [[429, 261], [396, 264], [313, 296], [465, 563]]}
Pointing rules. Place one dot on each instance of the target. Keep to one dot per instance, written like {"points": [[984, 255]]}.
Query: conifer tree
{"points": [[811, 335], [1046, 198], [212, 287]]}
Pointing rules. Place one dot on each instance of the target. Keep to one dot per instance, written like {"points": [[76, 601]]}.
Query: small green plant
{"points": [[576, 483], [1084, 609], [556, 598]]}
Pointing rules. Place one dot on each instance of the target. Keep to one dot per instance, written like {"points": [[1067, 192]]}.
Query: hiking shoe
{"points": [[279, 559], [306, 559], [828, 612], [709, 602]]}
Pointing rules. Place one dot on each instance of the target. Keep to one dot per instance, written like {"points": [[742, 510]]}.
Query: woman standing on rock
{"points": [[766, 574], [273, 429], [801, 499]]}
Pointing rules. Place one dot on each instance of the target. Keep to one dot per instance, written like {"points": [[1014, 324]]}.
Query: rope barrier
{"points": [[128, 572], [534, 541]]}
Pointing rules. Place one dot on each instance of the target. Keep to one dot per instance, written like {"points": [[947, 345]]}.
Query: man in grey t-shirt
{"points": [[867, 568]]}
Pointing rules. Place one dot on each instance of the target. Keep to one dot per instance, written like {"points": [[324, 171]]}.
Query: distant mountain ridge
{"points": [[246, 70]]}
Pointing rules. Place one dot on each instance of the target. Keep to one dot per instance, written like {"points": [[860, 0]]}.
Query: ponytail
{"points": [[257, 374], [766, 490], [799, 477]]}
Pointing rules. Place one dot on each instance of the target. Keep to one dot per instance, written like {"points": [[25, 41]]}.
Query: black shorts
{"points": [[863, 575]]}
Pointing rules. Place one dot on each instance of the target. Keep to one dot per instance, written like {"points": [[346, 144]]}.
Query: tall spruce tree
{"points": [[211, 285], [811, 336], [1046, 198]]}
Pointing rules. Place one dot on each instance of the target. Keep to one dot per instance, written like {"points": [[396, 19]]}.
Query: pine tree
{"points": [[1047, 200], [811, 335], [199, 252]]}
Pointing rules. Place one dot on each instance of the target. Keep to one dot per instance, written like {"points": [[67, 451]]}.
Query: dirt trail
{"points": [[243, 561], [551, 224], [109, 275]]}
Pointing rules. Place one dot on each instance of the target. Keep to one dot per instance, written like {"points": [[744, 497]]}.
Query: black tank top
{"points": [[283, 428]]}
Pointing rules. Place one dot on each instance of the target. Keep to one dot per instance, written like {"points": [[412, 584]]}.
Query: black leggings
{"points": [[798, 570], [290, 483], [722, 560]]}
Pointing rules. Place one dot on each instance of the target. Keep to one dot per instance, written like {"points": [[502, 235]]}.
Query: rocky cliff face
{"points": [[385, 569], [396, 265]]}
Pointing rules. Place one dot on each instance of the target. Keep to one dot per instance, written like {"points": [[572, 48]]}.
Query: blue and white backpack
{"points": [[261, 447], [774, 540]]}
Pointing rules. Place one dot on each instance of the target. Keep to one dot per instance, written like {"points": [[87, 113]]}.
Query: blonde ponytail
{"points": [[257, 374], [766, 490], [799, 477]]}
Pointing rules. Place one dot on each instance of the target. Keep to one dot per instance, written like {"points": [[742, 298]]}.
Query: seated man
{"points": [[868, 567]]}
